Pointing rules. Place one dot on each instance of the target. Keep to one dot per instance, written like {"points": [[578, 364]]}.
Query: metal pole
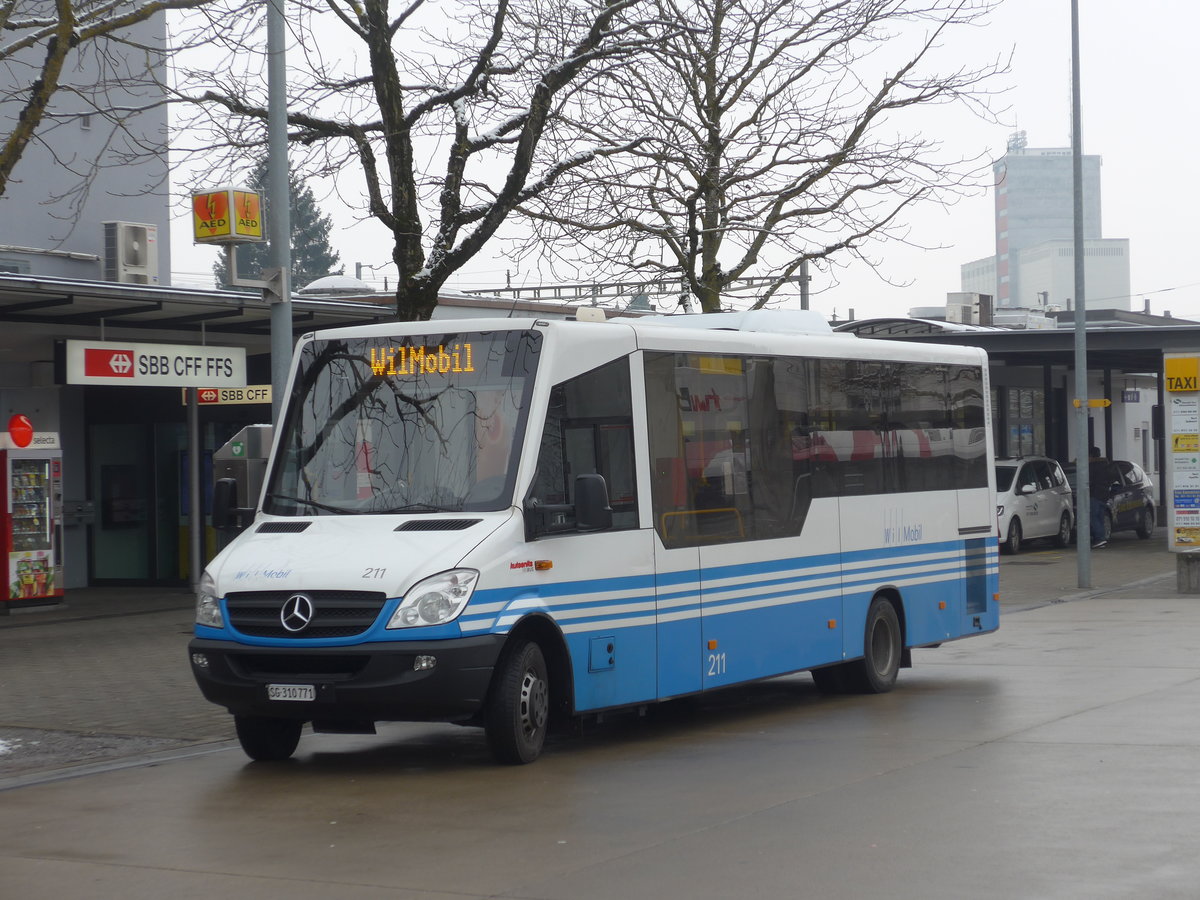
{"points": [[280, 224], [195, 498], [1083, 499]]}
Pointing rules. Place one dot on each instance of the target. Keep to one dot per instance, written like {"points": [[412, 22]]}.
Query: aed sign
{"points": [[226, 215], [250, 394], [1182, 373], [158, 365]]}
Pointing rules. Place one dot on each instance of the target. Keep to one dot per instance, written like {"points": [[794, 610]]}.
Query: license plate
{"points": [[291, 692]]}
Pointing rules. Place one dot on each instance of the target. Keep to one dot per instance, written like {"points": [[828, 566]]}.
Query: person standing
{"points": [[1099, 482]]}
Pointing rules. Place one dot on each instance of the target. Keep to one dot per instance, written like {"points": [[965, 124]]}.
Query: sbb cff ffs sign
{"points": [[226, 215], [163, 365]]}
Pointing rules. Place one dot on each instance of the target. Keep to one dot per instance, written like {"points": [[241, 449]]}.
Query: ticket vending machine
{"points": [[239, 468], [31, 515]]}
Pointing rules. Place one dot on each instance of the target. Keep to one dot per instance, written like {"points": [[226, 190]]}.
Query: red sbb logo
{"points": [[105, 363], [208, 395]]}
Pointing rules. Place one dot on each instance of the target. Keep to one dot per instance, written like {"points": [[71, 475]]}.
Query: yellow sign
{"points": [[226, 216], [1183, 373], [1185, 443], [1093, 404], [1187, 534]]}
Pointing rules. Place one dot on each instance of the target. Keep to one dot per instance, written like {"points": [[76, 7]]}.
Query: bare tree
{"points": [[450, 122], [43, 41], [783, 134]]}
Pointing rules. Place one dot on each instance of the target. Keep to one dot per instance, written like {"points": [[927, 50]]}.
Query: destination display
{"points": [[395, 361]]}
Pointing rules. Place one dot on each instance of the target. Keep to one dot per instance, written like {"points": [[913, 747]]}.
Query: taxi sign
{"points": [[1182, 373], [227, 215], [164, 365]]}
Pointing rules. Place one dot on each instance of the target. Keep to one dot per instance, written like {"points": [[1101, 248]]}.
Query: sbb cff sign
{"points": [[250, 394], [162, 365], [226, 215]]}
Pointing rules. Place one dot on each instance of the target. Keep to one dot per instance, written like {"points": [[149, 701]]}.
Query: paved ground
{"points": [[1053, 759], [104, 675]]}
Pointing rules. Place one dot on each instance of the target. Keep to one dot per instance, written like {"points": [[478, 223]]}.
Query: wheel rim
{"points": [[1014, 535], [882, 647], [535, 703]]}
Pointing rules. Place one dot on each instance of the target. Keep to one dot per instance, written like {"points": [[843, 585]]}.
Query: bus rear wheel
{"points": [[265, 739], [882, 647], [518, 710]]}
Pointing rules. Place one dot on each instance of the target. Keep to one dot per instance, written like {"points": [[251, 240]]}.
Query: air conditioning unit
{"points": [[130, 253]]}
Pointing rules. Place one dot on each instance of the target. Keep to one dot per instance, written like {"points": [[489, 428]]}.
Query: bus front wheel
{"points": [[519, 708], [265, 739]]}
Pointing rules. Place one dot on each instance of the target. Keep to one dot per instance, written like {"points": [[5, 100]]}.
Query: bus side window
{"points": [[588, 429]]}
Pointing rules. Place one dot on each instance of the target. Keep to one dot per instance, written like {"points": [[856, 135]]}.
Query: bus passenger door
{"points": [[676, 584]]}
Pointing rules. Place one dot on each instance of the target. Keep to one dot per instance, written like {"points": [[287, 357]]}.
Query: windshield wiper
{"points": [[340, 510]]}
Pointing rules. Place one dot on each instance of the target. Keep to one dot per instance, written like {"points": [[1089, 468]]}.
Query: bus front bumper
{"points": [[376, 682]]}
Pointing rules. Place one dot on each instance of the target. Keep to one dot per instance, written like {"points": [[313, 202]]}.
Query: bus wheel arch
{"points": [[530, 691]]}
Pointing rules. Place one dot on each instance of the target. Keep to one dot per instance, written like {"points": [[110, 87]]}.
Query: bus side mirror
{"points": [[592, 511], [225, 505]]}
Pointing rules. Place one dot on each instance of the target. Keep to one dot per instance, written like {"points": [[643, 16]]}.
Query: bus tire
{"points": [[265, 739], [518, 709], [882, 648]]}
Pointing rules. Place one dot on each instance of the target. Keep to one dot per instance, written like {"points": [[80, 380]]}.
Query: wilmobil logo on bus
{"points": [[897, 531]]}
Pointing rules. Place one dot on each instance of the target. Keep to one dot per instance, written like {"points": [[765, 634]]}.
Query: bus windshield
{"points": [[404, 424]]}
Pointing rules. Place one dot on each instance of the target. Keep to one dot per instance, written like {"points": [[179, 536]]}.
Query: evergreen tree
{"points": [[312, 255]]}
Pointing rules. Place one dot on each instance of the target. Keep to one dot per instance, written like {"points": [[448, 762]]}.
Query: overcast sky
{"points": [[1139, 85]]}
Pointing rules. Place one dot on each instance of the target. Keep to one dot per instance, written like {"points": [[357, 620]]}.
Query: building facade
{"points": [[85, 168]]}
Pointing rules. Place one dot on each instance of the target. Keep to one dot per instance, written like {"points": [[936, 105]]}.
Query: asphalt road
{"points": [[1055, 758]]}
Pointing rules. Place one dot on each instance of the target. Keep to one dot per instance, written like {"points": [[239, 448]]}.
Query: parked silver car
{"points": [[1033, 500]]}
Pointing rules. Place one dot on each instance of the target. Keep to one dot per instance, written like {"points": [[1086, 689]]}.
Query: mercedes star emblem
{"points": [[296, 612]]}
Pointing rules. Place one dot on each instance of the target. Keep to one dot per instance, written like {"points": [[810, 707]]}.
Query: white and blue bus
{"points": [[509, 523]]}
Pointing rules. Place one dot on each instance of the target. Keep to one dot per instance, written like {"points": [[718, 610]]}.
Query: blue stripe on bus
{"points": [[925, 573]]}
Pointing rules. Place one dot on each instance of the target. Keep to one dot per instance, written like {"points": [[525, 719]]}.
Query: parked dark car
{"points": [[1130, 496]]}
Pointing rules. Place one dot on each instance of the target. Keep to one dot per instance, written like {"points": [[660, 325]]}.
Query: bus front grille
{"points": [[327, 613]]}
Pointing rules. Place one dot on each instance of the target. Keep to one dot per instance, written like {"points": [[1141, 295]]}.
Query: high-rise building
{"points": [[1033, 266]]}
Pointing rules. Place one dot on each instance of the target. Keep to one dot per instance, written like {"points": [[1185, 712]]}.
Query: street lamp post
{"points": [[280, 222], [1083, 499]]}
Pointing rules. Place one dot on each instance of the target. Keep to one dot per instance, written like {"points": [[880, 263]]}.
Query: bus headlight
{"points": [[435, 600], [208, 605]]}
